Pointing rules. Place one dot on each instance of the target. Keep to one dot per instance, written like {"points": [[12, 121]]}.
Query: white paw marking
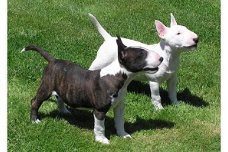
{"points": [[124, 135], [102, 139], [22, 50], [158, 106], [127, 136], [36, 121]]}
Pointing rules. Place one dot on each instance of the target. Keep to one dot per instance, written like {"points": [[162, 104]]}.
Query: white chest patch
{"points": [[113, 98]]}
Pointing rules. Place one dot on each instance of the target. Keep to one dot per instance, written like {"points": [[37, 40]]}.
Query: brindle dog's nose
{"points": [[161, 59]]}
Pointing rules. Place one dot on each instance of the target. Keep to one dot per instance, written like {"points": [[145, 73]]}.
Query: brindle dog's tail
{"points": [[43, 53]]}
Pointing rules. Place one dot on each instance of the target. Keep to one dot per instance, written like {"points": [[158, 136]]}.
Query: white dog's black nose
{"points": [[161, 59], [196, 40]]}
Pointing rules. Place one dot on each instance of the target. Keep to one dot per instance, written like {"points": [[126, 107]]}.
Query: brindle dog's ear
{"points": [[121, 50], [120, 43]]}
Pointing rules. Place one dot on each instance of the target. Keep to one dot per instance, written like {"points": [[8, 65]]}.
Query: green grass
{"points": [[63, 28]]}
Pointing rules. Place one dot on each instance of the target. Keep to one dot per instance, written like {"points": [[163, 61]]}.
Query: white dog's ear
{"points": [[161, 29], [173, 20]]}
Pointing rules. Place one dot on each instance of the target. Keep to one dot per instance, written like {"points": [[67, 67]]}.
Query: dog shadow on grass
{"points": [[84, 119], [186, 96]]}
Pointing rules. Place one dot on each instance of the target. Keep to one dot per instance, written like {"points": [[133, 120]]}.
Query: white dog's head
{"points": [[176, 36]]}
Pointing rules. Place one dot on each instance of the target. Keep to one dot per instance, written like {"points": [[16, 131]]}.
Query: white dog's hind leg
{"points": [[172, 91], [155, 95], [99, 131]]}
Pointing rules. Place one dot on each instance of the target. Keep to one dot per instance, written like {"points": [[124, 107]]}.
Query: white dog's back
{"points": [[174, 40]]}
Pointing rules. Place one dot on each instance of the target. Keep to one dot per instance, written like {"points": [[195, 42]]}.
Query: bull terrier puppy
{"points": [[98, 89]]}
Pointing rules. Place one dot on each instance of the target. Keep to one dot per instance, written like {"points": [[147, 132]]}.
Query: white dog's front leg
{"points": [[172, 90], [119, 120], [99, 131], [155, 95]]}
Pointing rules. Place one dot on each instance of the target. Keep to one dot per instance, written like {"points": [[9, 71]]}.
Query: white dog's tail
{"points": [[100, 29]]}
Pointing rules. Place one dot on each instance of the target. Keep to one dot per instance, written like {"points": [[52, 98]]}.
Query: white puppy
{"points": [[173, 40]]}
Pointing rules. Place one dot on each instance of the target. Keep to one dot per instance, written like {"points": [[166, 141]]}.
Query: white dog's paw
{"points": [[158, 106], [102, 139], [124, 135], [127, 136], [36, 121]]}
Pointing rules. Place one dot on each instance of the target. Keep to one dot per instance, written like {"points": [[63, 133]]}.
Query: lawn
{"points": [[63, 28]]}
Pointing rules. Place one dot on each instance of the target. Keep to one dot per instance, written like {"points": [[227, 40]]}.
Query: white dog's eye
{"points": [[178, 33]]}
